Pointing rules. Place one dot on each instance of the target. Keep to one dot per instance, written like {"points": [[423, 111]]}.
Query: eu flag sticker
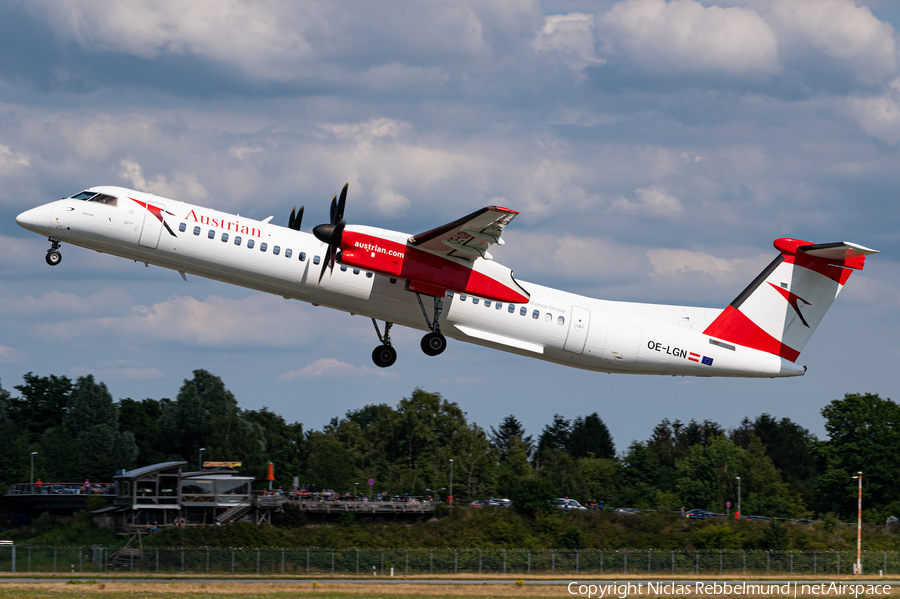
{"points": [[707, 361]]}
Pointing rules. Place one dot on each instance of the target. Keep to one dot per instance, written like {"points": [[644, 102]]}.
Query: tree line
{"points": [[79, 431]]}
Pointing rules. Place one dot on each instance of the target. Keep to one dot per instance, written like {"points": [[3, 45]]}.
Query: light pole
{"points": [[859, 527], [450, 498], [355, 491], [202, 449], [739, 497], [33, 453]]}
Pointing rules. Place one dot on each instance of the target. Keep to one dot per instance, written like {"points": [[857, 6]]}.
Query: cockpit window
{"points": [[104, 199], [93, 196]]}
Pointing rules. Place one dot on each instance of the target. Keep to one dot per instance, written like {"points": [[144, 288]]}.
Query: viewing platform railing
{"points": [[105, 489]]}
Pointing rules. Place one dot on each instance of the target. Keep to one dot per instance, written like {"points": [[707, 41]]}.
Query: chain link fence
{"points": [[384, 562]]}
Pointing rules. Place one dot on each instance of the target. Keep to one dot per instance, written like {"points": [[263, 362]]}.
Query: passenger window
{"points": [[356, 271], [474, 300], [462, 298], [287, 253], [393, 281], [182, 227], [343, 268], [250, 243], [211, 234], [316, 259], [276, 250], [512, 308], [196, 230], [487, 303], [548, 317], [561, 320], [368, 275], [302, 256], [499, 306], [224, 237], [449, 294], [523, 310], [237, 240], [536, 314], [263, 246]]}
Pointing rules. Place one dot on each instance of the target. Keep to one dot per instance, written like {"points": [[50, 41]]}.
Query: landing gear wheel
{"points": [[53, 258], [434, 344], [384, 356]]}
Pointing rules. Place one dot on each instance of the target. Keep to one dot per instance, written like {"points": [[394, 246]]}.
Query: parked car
{"points": [[805, 521], [698, 514], [567, 504], [763, 518], [478, 503], [499, 502], [627, 510]]}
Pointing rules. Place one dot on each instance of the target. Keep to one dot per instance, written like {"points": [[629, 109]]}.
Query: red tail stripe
{"points": [[732, 325], [835, 273]]}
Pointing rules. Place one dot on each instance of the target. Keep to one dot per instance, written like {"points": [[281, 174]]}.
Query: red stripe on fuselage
{"points": [[732, 325], [412, 264]]}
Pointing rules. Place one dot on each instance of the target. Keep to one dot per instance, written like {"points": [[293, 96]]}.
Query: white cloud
{"points": [[878, 116], [651, 201], [676, 263], [334, 368], [571, 38], [849, 34], [11, 160], [683, 36], [118, 374], [10, 355], [185, 186]]}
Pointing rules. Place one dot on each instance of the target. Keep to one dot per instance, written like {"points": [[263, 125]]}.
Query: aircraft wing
{"points": [[470, 236]]}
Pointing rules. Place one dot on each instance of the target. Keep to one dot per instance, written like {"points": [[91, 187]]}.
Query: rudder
{"points": [[778, 312]]}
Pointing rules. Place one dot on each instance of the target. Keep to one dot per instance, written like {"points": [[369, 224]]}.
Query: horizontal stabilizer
{"points": [[844, 253]]}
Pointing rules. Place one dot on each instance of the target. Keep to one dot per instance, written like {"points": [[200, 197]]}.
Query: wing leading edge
{"points": [[469, 237]]}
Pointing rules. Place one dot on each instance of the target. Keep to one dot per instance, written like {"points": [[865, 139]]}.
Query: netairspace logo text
{"points": [[722, 589]]}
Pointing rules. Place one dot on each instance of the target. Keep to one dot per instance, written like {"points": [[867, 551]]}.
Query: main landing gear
{"points": [[54, 256], [432, 344], [384, 355]]}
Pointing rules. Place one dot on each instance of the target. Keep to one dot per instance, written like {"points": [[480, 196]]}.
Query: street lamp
{"points": [[739, 496], [859, 527], [355, 491], [33, 453], [202, 449], [451, 483]]}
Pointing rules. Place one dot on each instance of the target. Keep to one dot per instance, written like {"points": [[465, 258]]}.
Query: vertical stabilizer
{"points": [[780, 309]]}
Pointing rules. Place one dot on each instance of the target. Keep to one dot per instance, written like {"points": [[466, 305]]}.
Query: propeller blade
{"points": [[291, 218], [298, 220], [333, 209], [339, 215], [324, 266]]}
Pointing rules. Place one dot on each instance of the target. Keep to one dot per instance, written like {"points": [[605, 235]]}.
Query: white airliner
{"points": [[391, 276]]}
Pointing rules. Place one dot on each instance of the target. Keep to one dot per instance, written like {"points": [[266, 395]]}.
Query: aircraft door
{"points": [[622, 344], [579, 321], [153, 226]]}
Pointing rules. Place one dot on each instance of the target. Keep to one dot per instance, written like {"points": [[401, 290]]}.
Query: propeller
{"points": [[294, 221], [331, 233]]}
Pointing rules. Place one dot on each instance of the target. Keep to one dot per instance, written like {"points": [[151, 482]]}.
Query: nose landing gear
{"points": [[54, 256]]}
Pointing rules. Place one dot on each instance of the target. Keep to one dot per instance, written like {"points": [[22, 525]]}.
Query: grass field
{"points": [[181, 589]]}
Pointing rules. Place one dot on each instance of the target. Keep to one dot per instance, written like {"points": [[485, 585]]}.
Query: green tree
{"points": [[501, 438], [184, 422], [863, 434], [141, 418], [42, 403], [555, 435], [707, 474], [589, 436]]}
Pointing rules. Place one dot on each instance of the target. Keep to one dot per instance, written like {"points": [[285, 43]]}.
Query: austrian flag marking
{"points": [[693, 357]]}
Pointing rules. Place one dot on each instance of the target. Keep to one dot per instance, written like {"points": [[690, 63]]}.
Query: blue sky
{"points": [[655, 150]]}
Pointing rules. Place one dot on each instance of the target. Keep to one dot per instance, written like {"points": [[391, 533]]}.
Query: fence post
{"points": [[79, 559], [792, 562], [182, 560], [54, 561], [553, 561], [407, 562], [382, 563], [207, 560], [745, 562], [885, 562], [504, 561], [332, 560], [815, 559], [767, 563], [232, 560], [479, 561], [601, 562], [673, 563], [838, 563], [157, 559], [29, 558], [357, 561], [455, 560], [720, 562], [431, 561], [697, 565], [626, 561], [649, 553], [282, 561], [529, 561], [12, 566], [257, 560], [576, 562], [307, 560]]}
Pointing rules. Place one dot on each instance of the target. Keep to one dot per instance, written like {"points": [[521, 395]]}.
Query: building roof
{"points": [[149, 469]]}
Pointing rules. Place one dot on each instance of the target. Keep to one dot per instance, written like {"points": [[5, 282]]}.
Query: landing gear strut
{"points": [[433, 343], [54, 256], [384, 355]]}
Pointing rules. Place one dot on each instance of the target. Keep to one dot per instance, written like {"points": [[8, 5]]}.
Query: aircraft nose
{"points": [[35, 219]]}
